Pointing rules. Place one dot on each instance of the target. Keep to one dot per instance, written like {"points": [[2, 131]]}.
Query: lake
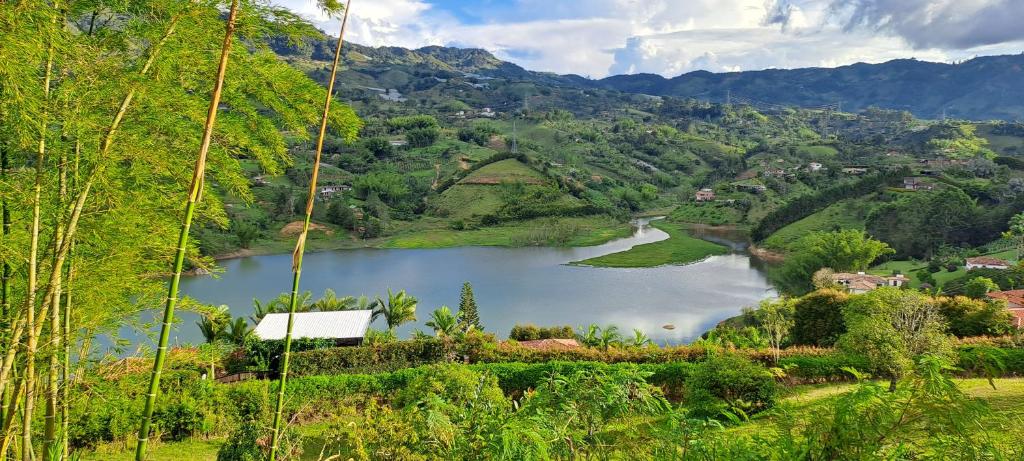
{"points": [[512, 285]]}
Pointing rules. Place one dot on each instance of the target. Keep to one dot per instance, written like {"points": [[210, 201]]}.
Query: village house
{"points": [[398, 143], [855, 170], [392, 95], [705, 195], [327, 192], [1014, 303], [861, 282], [752, 187], [487, 112], [987, 262], [774, 173], [814, 166], [344, 328], [914, 183]]}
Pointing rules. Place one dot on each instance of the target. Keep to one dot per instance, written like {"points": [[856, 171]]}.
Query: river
{"points": [[512, 285]]}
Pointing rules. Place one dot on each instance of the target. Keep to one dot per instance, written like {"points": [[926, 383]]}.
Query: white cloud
{"points": [[670, 37]]}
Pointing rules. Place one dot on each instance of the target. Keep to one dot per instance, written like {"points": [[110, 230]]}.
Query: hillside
{"points": [[982, 88]]}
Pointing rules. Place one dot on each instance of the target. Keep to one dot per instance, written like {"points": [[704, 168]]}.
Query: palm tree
{"points": [[640, 338], [213, 323], [237, 331], [195, 190], [328, 6], [443, 322], [400, 308], [590, 337], [331, 302], [610, 337], [304, 303]]}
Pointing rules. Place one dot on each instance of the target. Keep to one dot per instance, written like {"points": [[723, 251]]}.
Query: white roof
{"points": [[325, 325]]}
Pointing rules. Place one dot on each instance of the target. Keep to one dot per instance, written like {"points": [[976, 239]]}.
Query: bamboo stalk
{"points": [[30, 289], [53, 375], [79, 204], [195, 191], [300, 245]]}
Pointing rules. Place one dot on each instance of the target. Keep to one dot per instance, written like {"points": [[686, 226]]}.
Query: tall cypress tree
{"points": [[468, 314]]}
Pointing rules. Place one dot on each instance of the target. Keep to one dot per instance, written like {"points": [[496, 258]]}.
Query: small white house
{"points": [[985, 262], [346, 328], [814, 166]]}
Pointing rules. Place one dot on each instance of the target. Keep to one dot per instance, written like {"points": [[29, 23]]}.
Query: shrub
{"points": [[251, 442], [532, 332], [818, 318], [729, 383]]}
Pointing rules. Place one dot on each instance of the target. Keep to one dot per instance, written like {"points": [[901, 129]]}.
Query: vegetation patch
{"points": [[679, 248]]}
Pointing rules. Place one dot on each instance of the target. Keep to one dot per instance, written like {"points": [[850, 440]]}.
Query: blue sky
{"points": [[597, 38]]}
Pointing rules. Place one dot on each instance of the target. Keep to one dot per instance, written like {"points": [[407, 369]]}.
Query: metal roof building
{"points": [[344, 327]]}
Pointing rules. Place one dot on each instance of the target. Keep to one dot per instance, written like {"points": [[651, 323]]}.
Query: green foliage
{"points": [[917, 224], [979, 287], [818, 318], [398, 309], [443, 322], [974, 317], [250, 441], [469, 314], [412, 122], [422, 137], [389, 186], [532, 332], [729, 383], [844, 250], [893, 328]]}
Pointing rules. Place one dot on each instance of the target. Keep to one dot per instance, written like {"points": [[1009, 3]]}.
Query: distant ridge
{"points": [[983, 88]]}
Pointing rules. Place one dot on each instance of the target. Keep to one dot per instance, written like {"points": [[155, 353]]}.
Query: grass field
{"points": [[679, 248], [846, 214], [910, 268], [575, 231]]}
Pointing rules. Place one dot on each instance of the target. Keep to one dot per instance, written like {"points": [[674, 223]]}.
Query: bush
{"points": [[533, 332], [251, 442], [729, 383], [818, 318]]}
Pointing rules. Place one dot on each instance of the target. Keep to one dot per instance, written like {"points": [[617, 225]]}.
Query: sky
{"points": [[598, 38]]}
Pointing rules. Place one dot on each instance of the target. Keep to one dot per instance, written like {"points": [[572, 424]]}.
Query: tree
{"points": [[443, 322], [399, 309], [339, 213], [818, 318], [892, 328], [422, 137], [844, 250], [979, 287], [1016, 233], [213, 324], [237, 331], [776, 319], [469, 316], [975, 317], [640, 339], [380, 147], [609, 337]]}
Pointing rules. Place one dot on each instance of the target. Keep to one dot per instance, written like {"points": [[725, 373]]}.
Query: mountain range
{"points": [[982, 88]]}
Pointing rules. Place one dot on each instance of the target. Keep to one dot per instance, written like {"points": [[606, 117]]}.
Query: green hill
{"points": [[845, 214]]}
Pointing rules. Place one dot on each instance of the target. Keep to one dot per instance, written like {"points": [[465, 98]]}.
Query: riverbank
{"points": [[678, 249], [428, 233]]}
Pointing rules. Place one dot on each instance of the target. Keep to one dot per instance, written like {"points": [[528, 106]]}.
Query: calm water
{"points": [[512, 285]]}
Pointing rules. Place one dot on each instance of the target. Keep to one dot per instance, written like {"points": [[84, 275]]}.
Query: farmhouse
{"points": [[1014, 303], [345, 328], [987, 262], [815, 166], [862, 283], [326, 192], [916, 184], [705, 195]]}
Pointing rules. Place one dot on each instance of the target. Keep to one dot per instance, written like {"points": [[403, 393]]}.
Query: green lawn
{"points": [[1007, 401], [846, 214], [910, 268], [575, 231], [679, 248]]}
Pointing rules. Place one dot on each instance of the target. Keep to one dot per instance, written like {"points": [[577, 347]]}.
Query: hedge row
{"points": [[404, 354]]}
